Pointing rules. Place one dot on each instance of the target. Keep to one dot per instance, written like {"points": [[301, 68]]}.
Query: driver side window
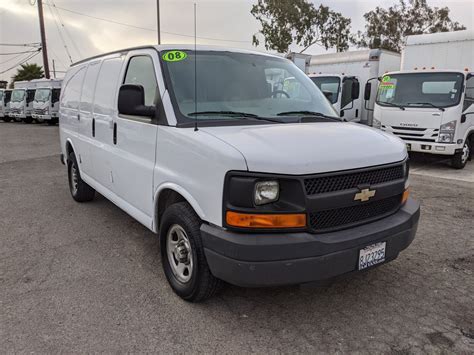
{"points": [[469, 99]]}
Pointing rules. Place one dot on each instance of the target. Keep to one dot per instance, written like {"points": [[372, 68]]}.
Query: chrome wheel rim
{"points": [[180, 256], [74, 179], [465, 153]]}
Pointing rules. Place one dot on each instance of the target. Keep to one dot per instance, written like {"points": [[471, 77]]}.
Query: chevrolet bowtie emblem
{"points": [[364, 195]]}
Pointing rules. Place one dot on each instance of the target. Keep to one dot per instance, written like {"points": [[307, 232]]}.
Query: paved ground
{"points": [[87, 278]]}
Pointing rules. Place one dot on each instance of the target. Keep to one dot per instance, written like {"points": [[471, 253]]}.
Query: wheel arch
{"points": [[168, 194]]}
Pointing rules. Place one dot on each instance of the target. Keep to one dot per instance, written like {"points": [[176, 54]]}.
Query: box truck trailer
{"points": [[46, 100], [339, 75], [429, 103]]}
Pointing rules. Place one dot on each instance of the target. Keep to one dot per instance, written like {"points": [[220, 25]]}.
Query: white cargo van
{"points": [[429, 103], [5, 109], [21, 105], [46, 100], [243, 183], [341, 73]]}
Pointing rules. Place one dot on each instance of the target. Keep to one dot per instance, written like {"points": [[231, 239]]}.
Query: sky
{"points": [[71, 37]]}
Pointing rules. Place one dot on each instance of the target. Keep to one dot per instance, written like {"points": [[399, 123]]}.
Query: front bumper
{"points": [[41, 117], [433, 148], [17, 115], [272, 259]]}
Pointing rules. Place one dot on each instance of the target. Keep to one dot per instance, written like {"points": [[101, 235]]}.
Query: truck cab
{"points": [[5, 102], [46, 104], [432, 111], [343, 92], [21, 105]]}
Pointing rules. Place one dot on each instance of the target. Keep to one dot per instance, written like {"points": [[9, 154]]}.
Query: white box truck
{"points": [[46, 100], [429, 103], [339, 75], [21, 104]]}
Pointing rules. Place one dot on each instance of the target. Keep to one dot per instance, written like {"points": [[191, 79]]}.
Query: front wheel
{"points": [[28, 120], [52, 122], [461, 158], [6, 119], [182, 254]]}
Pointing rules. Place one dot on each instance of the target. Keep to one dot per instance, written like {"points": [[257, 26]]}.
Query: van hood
{"points": [[310, 148]]}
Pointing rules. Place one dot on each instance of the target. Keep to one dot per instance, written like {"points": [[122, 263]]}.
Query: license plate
{"points": [[408, 146], [372, 255]]}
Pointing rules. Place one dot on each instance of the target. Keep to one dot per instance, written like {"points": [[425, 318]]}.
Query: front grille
{"points": [[345, 181], [416, 139], [345, 216]]}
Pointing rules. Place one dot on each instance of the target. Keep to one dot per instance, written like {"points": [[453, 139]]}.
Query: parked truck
{"points": [[341, 74], [5, 103], [21, 105], [429, 102], [46, 100]]}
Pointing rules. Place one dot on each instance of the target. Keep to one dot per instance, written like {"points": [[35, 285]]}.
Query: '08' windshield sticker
{"points": [[174, 56], [386, 83]]}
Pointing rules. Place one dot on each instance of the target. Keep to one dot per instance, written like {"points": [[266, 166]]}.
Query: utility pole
{"points": [[43, 39], [158, 20], [54, 70]]}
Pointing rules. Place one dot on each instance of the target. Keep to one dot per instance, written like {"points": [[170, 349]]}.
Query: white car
{"points": [[243, 183]]}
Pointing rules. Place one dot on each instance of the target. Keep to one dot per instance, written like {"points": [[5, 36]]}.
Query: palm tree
{"points": [[29, 72]]}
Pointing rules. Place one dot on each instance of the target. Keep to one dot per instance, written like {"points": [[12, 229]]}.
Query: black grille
{"points": [[352, 180], [363, 212]]}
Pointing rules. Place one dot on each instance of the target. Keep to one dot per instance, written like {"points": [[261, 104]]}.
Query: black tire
{"points": [[28, 120], [202, 284], [52, 122], [460, 159], [6, 119], [80, 191]]}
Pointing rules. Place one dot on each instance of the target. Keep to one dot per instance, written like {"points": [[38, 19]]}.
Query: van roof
{"points": [[165, 47]]}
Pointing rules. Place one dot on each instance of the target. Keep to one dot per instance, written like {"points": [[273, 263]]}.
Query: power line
{"points": [[22, 62], [146, 28], [65, 28], [12, 53], [15, 57], [21, 44], [59, 32]]}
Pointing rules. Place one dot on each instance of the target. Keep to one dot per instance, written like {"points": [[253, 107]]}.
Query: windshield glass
{"points": [[328, 84], [229, 82], [420, 89], [18, 95], [42, 95]]}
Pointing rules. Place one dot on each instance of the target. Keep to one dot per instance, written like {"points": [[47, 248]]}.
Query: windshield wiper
{"points": [[393, 105], [233, 114], [307, 113], [426, 104]]}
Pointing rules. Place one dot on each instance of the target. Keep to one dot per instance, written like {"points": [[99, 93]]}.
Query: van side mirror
{"points": [[328, 95], [355, 90], [131, 101], [367, 91]]}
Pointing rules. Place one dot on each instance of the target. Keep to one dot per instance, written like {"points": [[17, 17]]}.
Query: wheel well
{"points": [[69, 149], [167, 198]]}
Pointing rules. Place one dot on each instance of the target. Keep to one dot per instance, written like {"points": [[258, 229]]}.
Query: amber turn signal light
{"points": [[246, 220], [405, 196]]}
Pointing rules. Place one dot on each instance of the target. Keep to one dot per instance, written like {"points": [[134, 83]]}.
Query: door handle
{"points": [[115, 132], [93, 127]]}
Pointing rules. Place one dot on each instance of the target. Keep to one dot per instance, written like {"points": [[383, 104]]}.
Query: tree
{"points": [[284, 22], [28, 72], [387, 28]]}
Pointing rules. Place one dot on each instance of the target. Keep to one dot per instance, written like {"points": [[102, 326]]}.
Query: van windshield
{"points": [[18, 95], [328, 84], [420, 90], [42, 95], [231, 84]]}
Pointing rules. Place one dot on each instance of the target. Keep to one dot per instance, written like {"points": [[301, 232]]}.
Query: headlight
{"points": [[376, 123], [266, 192], [446, 132]]}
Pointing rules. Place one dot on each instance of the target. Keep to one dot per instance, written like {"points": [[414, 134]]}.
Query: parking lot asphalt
{"points": [[88, 278]]}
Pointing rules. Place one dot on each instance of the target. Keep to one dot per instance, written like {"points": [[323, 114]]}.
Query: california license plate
{"points": [[372, 255]]}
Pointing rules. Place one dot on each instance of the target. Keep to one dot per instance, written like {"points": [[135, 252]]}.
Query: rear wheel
{"points": [[52, 122], [28, 120], [182, 254], [80, 191], [6, 119], [461, 158]]}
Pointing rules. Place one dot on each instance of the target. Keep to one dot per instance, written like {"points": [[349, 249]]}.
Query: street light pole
{"points": [[158, 20], [43, 40]]}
